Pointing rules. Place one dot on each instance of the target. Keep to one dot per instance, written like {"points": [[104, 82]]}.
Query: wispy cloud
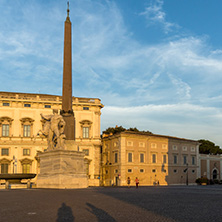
{"points": [[156, 16], [182, 88]]}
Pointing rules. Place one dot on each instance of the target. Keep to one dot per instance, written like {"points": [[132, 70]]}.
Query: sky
{"points": [[155, 64]]}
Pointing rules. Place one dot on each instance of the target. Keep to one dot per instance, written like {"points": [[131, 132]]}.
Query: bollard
{"points": [[7, 185], [29, 184]]}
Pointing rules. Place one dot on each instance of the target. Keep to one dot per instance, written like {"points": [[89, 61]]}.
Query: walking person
{"points": [[128, 182], [137, 182]]}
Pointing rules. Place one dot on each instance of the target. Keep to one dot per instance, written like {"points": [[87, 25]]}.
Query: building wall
{"points": [[19, 109], [187, 161], [148, 157], [211, 164]]}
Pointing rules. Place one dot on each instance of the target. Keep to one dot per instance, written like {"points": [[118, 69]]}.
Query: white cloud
{"points": [[107, 59], [155, 15], [182, 88], [158, 73], [181, 120]]}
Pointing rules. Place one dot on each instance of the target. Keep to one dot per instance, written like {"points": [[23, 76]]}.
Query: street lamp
{"points": [[187, 176]]}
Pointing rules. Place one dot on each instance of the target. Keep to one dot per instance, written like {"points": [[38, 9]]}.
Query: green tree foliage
{"points": [[118, 129], [133, 129], [208, 147], [114, 130], [148, 132]]}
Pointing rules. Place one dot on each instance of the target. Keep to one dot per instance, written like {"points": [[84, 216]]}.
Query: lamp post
{"points": [[187, 181], [13, 163], [110, 167]]}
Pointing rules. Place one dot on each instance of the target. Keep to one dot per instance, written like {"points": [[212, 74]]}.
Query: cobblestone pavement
{"points": [[173, 203]]}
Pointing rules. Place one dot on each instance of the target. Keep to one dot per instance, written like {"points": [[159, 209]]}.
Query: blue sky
{"points": [[155, 65]]}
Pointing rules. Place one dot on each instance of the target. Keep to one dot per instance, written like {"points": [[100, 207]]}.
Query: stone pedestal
{"points": [[62, 169]]}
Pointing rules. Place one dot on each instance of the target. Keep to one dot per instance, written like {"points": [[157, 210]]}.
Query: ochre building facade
{"points": [[20, 122], [153, 159]]}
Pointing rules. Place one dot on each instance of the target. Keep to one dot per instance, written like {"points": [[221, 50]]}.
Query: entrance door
{"points": [[214, 174]]}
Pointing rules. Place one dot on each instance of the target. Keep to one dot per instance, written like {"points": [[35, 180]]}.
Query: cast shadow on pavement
{"points": [[65, 214], [100, 214]]}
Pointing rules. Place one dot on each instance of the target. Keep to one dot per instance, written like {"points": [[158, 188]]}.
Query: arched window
{"points": [[5, 125], [215, 174], [27, 127]]}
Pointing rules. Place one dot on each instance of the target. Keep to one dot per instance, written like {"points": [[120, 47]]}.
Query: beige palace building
{"points": [[20, 122], [153, 159]]}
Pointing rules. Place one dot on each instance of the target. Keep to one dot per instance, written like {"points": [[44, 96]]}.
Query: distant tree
{"points": [[133, 129], [114, 130], [136, 130], [118, 129], [208, 147], [148, 132]]}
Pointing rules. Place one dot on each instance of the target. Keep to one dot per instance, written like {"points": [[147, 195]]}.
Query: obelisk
{"points": [[64, 167], [67, 111]]}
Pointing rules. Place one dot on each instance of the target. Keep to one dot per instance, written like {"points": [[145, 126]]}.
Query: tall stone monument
{"points": [[62, 166], [67, 111]]}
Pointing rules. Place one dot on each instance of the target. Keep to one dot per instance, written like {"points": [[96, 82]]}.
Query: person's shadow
{"points": [[100, 214], [65, 214]]}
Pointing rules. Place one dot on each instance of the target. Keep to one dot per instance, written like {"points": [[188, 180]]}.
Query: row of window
{"points": [[27, 131], [153, 171], [26, 168], [26, 152], [141, 158], [46, 106], [184, 148], [154, 146], [184, 159], [154, 158], [5, 152], [184, 171], [25, 105]]}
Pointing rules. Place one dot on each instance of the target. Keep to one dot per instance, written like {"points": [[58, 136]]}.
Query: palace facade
{"points": [[153, 159], [20, 122]]}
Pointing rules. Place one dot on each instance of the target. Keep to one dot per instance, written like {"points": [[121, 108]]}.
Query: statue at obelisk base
{"points": [[54, 130], [59, 168]]}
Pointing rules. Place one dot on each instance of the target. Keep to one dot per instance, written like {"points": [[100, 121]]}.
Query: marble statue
{"points": [[54, 130]]}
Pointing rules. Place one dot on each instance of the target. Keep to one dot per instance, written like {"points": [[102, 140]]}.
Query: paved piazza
{"points": [[173, 203]]}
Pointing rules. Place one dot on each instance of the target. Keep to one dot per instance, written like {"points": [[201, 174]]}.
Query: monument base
{"points": [[62, 169]]}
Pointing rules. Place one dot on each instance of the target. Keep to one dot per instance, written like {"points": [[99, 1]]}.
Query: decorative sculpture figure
{"points": [[54, 130]]}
